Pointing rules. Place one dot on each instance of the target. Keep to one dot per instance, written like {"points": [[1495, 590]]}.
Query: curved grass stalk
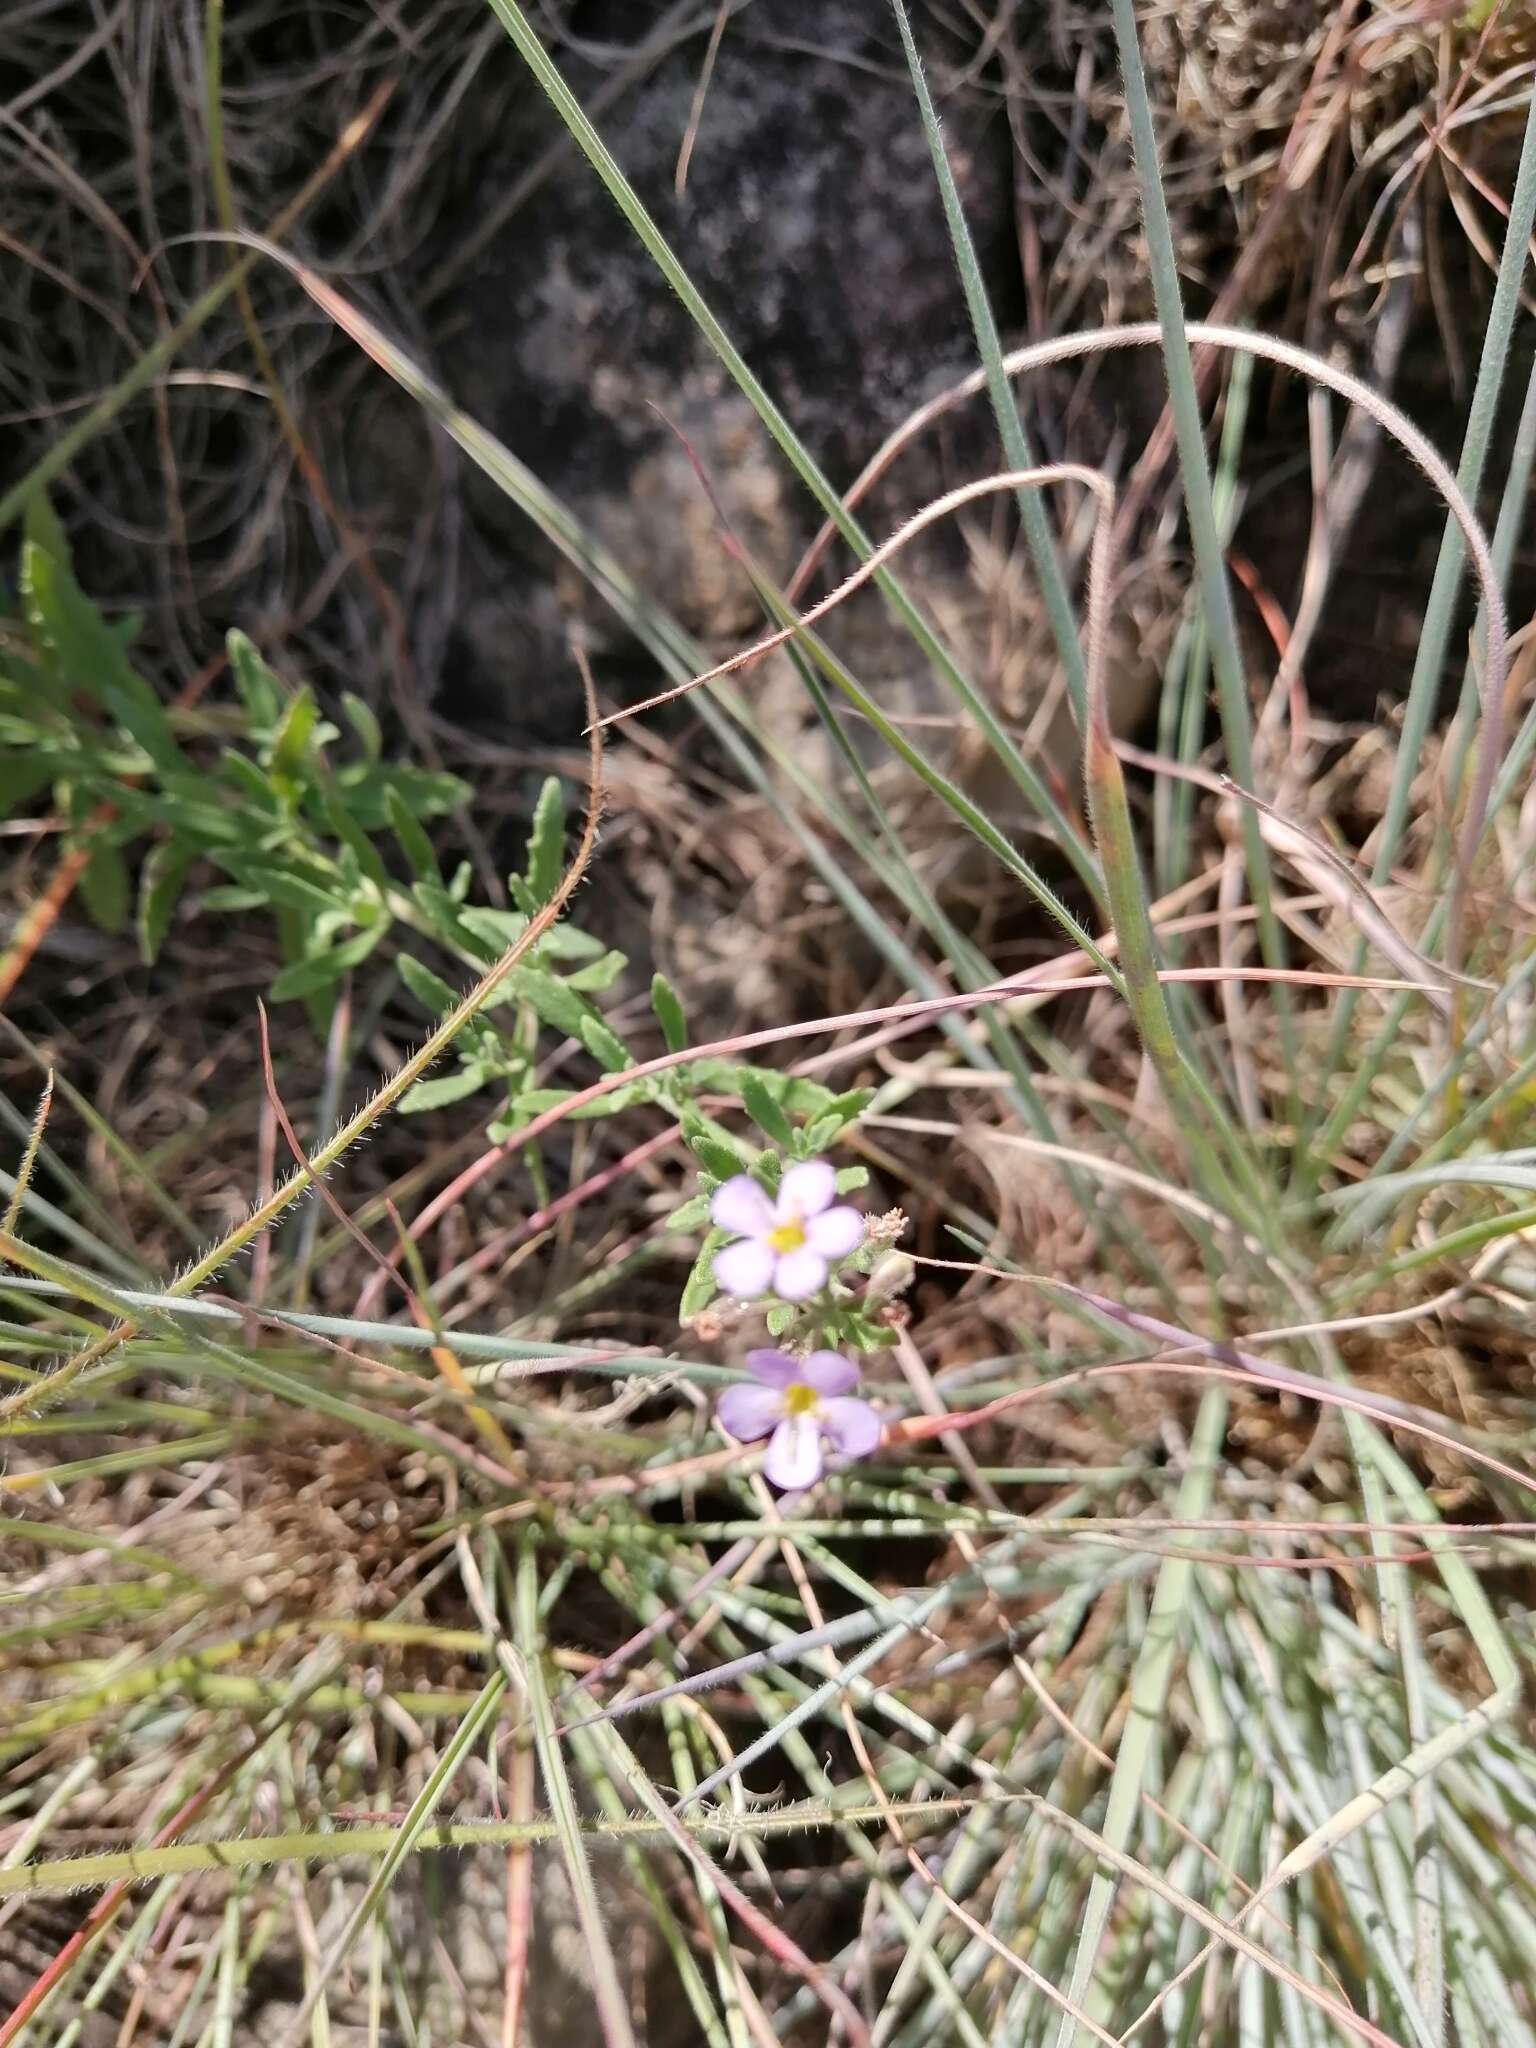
{"points": [[160, 354], [1390, 418], [560, 96], [1005, 408], [1439, 615], [1205, 533]]}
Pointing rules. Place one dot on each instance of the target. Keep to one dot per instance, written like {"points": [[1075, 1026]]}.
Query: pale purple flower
{"points": [[783, 1246], [806, 1405]]}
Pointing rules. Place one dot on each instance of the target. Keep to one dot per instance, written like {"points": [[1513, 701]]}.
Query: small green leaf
{"points": [[309, 977], [779, 1318], [22, 777], [364, 724], [535, 1102], [568, 942], [426, 793], [429, 989], [851, 1178], [699, 1289], [710, 1145], [546, 842], [693, 1215], [844, 1110], [356, 840], [758, 1101], [253, 785], [599, 974], [281, 885], [496, 929], [669, 1013], [549, 999], [104, 885], [89, 656], [414, 843], [41, 524], [232, 896], [260, 691], [160, 881], [441, 1089], [289, 756]]}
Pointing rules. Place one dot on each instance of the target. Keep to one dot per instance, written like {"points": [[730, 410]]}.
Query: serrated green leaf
{"points": [[699, 1289], [429, 989], [758, 1100], [309, 977], [104, 885], [414, 843], [160, 883], [441, 1089], [363, 722], [260, 690], [851, 1178], [546, 842], [669, 1013]]}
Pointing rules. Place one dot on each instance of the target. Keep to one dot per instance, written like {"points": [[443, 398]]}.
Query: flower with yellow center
{"points": [[807, 1408], [785, 1245]]}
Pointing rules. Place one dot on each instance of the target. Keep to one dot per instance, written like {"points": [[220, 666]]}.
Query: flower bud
{"points": [[892, 1275]]}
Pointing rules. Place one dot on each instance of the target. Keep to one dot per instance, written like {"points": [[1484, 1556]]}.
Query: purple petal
{"points": [[749, 1412], [773, 1368], [740, 1205], [794, 1456], [852, 1427], [829, 1372], [835, 1232], [797, 1276], [805, 1190], [744, 1268]]}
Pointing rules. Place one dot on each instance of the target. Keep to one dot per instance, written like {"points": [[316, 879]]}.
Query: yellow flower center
{"points": [[788, 1237], [800, 1400]]}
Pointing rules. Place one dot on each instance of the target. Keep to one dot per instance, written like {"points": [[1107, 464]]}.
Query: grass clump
{"points": [[397, 1645]]}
